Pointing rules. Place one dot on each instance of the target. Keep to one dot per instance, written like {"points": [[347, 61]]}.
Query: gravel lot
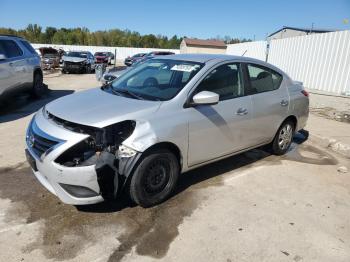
{"points": [[250, 207]]}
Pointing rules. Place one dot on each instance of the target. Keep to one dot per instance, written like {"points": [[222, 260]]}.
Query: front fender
{"points": [[142, 138]]}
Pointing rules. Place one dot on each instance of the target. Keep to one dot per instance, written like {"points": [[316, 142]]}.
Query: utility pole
{"points": [[312, 28]]}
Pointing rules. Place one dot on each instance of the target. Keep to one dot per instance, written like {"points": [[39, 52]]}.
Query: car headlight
{"points": [[125, 151]]}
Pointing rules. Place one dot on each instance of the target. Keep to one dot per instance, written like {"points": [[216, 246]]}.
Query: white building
{"points": [[189, 45], [287, 31]]}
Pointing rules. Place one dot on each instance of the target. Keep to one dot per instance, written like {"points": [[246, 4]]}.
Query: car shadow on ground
{"points": [[196, 176], [22, 105]]}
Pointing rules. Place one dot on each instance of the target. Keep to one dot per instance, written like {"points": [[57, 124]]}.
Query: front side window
{"points": [[156, 79], [225, 80], [263, 79], [10, 48], [29, 47]]}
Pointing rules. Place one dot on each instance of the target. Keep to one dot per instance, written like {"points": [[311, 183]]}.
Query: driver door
{"points": [[224, 128]]}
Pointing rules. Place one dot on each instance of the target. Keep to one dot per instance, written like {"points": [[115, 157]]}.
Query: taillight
{"points": [[305, 93]]}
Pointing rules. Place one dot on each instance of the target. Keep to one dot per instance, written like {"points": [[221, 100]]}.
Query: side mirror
{"points": [[107, 78], [2, 57], [205, 98]]}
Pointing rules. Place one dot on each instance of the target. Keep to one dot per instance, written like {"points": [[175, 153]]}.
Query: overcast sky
{"points": [[192, 18]]}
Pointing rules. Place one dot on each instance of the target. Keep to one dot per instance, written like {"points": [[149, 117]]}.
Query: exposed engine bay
{"points": [[103, 148]]}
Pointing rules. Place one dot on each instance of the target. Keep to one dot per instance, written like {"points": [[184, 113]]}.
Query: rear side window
{"points": [[225, 80], [263, 79], [10, 48], [28, 47]]}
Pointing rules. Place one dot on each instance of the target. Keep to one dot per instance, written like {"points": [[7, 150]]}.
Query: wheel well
{"points": [[293, 119], [169, 146], [37, 71]]}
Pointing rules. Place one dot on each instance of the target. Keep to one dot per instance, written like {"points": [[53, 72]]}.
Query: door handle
{"points": [[241, 112], [284, 102]]}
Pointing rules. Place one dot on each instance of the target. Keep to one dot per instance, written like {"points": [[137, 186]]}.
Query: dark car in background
{"points": [[50, 58], [156, 53], [78, 61], [104, 57], [131, 60]]}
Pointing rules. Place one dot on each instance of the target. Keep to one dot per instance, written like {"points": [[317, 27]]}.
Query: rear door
{"points": [[270, 100], [13, 68], [218, 130]]}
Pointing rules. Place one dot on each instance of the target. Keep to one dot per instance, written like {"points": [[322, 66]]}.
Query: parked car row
{"points": [[141, 57], [131, 62]]}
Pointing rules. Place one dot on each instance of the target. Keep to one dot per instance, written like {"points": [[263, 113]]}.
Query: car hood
{"points": [[73, 59], [98, 108]]}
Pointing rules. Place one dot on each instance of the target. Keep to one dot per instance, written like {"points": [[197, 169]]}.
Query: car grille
{"points": [[73, 63], [37, 143]]}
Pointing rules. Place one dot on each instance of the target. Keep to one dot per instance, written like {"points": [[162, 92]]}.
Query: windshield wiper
{"points": [[129, 93]]}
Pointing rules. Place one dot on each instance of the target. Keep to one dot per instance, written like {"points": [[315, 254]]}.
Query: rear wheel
{"points": [[283, 138], [154, 178], [38, 88]]}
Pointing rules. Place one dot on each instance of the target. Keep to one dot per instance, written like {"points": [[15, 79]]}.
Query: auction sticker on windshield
{"points": [[184, 67]]}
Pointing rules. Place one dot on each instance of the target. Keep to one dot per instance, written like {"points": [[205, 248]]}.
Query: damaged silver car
{"points": [[162, 118]]}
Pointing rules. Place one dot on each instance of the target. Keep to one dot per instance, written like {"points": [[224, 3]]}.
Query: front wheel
{"points": [[38, 88], [283, 138], [154, 178]]}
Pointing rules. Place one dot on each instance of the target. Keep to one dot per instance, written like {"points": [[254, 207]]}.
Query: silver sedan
{"points": [[162, 118]]}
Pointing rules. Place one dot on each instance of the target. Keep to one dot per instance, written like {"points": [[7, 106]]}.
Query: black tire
{"points": [[154, 178], [38, 89], [283, 138]]}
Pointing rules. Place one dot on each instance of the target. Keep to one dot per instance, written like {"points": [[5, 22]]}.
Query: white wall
{"points": [[202, 50], [249, 49], [320, 61], [122, 52]]}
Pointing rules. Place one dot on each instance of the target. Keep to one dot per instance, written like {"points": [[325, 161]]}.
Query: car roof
{"points": [[204, 58], [11, 36]]}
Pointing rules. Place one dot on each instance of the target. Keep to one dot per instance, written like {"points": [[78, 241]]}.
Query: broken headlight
{"points": [[107, 139]]}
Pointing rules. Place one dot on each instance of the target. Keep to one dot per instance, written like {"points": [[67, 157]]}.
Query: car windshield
{"points": [[77, 54], [156, 79], [100, 54], [139, 55]]}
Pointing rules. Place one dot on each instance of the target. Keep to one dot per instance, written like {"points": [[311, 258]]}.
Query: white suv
{"points": [[19, 67]]}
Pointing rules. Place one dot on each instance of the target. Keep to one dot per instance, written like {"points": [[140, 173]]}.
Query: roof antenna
{"points": [[244, 52]]}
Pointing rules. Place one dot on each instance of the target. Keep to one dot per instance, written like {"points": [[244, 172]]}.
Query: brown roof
{"points": [[200, 42]]}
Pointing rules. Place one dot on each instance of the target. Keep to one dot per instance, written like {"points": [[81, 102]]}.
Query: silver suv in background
{"points": [[19, 67], [162, 118]]}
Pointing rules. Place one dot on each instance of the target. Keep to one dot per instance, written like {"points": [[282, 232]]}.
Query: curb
{"points": [[333, 144]]}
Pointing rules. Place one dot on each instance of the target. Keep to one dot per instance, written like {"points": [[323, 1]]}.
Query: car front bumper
{"points": [[72, 185]]}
